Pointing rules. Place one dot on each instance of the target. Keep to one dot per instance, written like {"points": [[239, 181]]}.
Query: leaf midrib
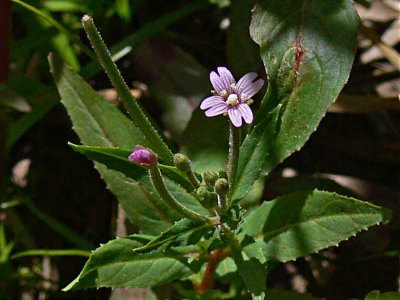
{"points": [[315, 219]]}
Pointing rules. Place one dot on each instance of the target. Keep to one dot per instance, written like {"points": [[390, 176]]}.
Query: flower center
{"points": [[232, 100]]}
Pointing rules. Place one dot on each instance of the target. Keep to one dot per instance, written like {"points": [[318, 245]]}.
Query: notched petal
{"points": [[211, 101], [216, 110], [246, 113], [235, 116], [252, 88]]}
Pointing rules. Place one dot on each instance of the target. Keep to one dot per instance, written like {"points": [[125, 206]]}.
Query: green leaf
{"points": [[308, 49], [301, 223], [378, 295], [255, 150], [116, 265], [114, 158], [117, 159], [251, 264], [99, 123], [185, 231]]}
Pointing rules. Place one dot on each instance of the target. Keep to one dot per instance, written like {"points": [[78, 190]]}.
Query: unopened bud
{"points": [[202, 193], [182, 163], [210, 177], [222, 187], [143, 156]]}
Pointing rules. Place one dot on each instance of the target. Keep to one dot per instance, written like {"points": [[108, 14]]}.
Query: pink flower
{"points": [[230, 97]]}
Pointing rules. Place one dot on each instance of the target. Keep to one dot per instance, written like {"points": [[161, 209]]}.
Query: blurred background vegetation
{"points": [[52, 198]]}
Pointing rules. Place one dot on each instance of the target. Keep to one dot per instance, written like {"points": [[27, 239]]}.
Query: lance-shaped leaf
{"points": [[99, 123], [116, 265], [307, 47], [301, 223], [185, 232], [116, 158], [256, 148], [251, 264]]}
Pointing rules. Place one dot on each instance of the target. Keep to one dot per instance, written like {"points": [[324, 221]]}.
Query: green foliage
{"points": [[256, 149], [251, 264], [378, 295], [301, 223], [116, 265], [307, 61]]}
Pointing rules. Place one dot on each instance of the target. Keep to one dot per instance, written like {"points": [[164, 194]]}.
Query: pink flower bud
{"points": [[143, 156]]}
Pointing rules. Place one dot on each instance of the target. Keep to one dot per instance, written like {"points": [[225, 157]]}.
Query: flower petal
{"points": [[245, 81], [251, 89], [235, 116], [216, 82], [211, 101], [246, 112], [217, 109], [226, 78]]}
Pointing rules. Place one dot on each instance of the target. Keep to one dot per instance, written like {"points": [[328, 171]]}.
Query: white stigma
{"points": [[232, 100]]}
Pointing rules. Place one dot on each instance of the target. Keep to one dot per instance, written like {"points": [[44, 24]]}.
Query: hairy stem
{"points": [[138, 116], [234, 145]]}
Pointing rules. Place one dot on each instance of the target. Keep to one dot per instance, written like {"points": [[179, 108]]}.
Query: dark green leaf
{"points": [[116, 265], [99, 123], [117, 159], [186, 231], [301, 223], [255, 150], [114, 158], [251, 266], [308, 60]]}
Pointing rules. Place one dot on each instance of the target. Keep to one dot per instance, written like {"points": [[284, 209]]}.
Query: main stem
{"points": [[234, 145], [208, 279], [170, 200], [138, 116]]}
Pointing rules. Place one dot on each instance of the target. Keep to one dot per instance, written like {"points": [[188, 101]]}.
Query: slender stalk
{"points": [[192, 178], [234, 145], [138, 116], [208, 279], [170, 200]]}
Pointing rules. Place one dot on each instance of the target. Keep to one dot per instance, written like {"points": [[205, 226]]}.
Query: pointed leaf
{"points": [[116, 158], [255, 150], [251, 266], [99, 123], [308, 48], [185, 230], [116, 265], [301, 223]]}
